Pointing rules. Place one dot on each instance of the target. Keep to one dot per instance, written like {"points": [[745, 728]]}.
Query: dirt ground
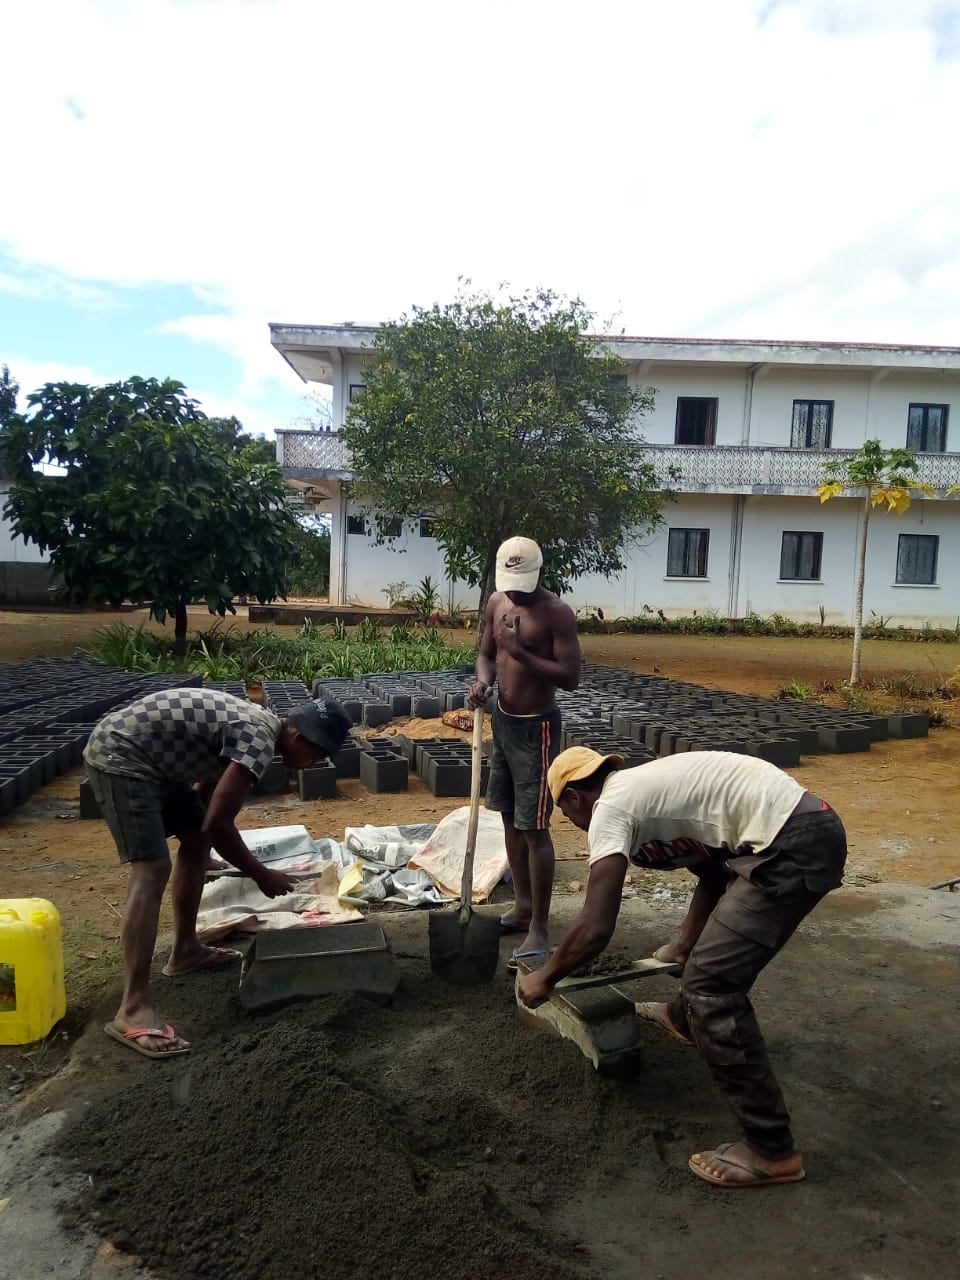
{"points": [[435, 1136]]}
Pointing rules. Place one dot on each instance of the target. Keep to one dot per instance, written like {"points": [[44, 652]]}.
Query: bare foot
{"points": [[672, 952], [535, 943], [733, 1164], [189, 959], [515, 922], [660, 1016], [144, 1018]]}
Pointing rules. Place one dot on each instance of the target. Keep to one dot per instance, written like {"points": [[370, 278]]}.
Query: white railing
{"points": [[684, 468]]}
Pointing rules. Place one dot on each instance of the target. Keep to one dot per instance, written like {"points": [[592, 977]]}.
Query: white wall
{"points": [[866, 405], [645, 581], [761, 590], [13, 548], [671, 381], [409, 558]]}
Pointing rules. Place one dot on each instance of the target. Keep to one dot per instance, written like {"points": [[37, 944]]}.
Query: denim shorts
{"points": [[142, 815]]}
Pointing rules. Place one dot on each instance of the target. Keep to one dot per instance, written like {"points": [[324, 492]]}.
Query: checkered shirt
{"points": [[183, 735]]}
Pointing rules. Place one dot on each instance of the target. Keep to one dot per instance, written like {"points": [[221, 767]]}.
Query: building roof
{"points": [[315, 351]]}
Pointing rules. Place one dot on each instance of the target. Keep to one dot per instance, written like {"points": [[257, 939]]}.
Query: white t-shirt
{"points": [[695, 805]]}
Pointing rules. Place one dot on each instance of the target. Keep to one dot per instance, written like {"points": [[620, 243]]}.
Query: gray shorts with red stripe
{"points": [[523, 749]]}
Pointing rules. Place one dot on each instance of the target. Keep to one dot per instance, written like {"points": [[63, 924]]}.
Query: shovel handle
{"points": [[466, 884]]}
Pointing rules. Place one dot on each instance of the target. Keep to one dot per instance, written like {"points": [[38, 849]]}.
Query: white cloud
{"points": [[760, 168], [33, 374]]}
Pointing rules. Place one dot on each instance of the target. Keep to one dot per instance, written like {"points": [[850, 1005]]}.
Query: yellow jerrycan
{"points": [[32, 995]]}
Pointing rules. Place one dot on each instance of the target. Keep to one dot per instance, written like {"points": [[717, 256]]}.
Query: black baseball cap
{"points": [[323, 722]]}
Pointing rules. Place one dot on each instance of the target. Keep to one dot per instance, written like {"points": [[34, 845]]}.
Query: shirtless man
{"points": [[530, 647]]}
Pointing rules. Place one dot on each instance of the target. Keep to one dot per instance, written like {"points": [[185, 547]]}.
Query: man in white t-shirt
{"points": [[765, 852]]}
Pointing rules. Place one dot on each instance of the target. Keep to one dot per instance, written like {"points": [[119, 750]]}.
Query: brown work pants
{"points": [[746, 929]]}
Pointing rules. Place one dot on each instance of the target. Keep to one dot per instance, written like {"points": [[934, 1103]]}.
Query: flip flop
{"points": [[215, 958], [758, 1177], [657, 1014], [512, 926], [525, 955], [130, 1038]]}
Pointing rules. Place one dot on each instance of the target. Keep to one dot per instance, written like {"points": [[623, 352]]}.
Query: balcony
{"points": [[312, 455]]}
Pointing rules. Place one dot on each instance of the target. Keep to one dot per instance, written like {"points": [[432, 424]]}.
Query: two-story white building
{"points": [[747, 428]]}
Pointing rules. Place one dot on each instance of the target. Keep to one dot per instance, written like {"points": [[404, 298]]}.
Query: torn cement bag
{"points": [[442, 856], [271, 845], [234, 902], [364, 884]]}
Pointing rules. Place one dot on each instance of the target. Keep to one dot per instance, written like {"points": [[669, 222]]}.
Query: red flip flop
{"points": [[131, 1038], [215, 958]]}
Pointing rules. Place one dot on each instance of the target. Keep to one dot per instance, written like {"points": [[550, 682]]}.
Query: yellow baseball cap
{"points": [[575, 764]]}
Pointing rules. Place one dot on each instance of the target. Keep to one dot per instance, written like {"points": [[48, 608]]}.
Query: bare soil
{"points": [[436, 1137]]}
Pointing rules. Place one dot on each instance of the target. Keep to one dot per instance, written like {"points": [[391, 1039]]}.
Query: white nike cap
{"points": [[519, 561]]}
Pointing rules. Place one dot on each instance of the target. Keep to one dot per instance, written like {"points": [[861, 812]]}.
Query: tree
{"points": [[149, 500], [496, 418], [9, 390], [884, 476]]}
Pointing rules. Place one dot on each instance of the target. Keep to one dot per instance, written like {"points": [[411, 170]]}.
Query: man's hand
{"points": [[508, 634], [477, 694], [533, 991], [274, 884]]}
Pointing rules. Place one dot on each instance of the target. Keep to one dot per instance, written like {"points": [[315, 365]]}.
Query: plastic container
{"points": [[32, 995]]}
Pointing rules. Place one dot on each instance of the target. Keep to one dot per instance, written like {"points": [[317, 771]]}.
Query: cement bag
{"points": [[230, 903], [442, 856]]}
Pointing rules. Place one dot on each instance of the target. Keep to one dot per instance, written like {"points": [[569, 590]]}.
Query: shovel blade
{"points": [[464, 953]]}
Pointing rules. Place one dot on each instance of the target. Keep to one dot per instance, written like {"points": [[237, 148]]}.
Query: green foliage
{"points": [[396, 593], [796, 691], [308, 568], [751, 624], [151, 501], [225, 653], [8, 397], [873, 466], [501, 418]]}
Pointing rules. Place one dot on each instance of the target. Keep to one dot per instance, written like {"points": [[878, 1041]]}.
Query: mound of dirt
{"points": [[316, 1142]]}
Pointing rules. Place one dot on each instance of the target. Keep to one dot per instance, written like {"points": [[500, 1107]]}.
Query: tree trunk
{"points": [[858, 602], [487, 588], [180, 627]]}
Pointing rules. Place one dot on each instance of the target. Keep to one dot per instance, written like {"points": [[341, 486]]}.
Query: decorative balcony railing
{"points": [[684, 468]]}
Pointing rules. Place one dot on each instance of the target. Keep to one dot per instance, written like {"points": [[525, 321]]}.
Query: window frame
{"points": [[810, 406], [918, 582], [801, 534], [701, 552], [710, 432], [926, 406]]}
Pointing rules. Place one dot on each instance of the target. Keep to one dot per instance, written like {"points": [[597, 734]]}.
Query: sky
{"points": [[175, 174]]}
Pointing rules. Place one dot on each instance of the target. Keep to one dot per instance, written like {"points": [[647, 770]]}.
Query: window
{"points": [[927, 428], [812, 424], [426, 527], [356, 524], [800, 555], [917, 558], [687, 553], [391, 528], [356, 389], [696, 420]]}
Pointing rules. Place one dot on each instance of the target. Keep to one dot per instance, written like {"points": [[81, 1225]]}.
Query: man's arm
{"points": [[486, 658], [563, 669], [220, 828], [589, 933]]}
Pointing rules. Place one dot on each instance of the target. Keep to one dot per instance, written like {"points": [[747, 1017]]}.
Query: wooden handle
{"points": [[466, 884]]}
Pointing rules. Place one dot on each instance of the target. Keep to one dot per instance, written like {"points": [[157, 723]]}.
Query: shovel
{"points": [[465, 946]]}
